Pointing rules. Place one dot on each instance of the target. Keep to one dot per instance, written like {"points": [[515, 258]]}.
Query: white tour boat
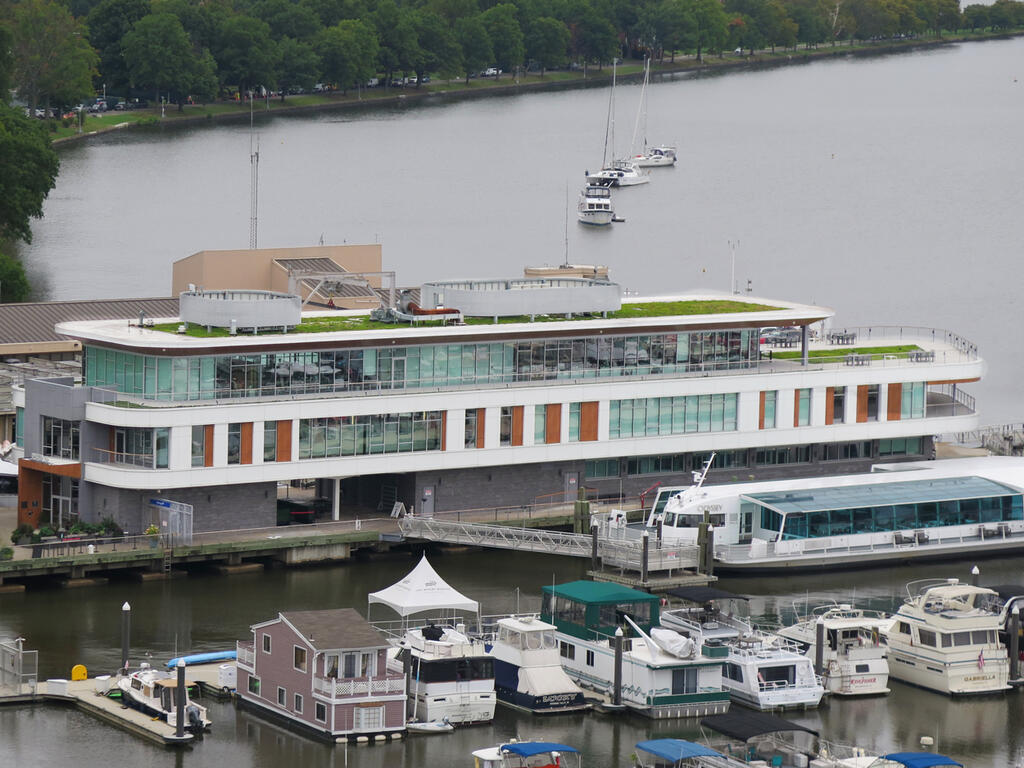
{"points": [[762, 670], [527, 754], [945, 637], [154, 692], [450, 675], [527, 670], [928, 510], [595, 206], [853, 653], [662, 675]]}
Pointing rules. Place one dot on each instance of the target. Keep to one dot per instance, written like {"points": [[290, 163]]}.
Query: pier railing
{"points": [[19, 668]]}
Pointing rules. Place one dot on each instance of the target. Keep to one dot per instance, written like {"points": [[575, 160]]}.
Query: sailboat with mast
{"points": [[618, 173], [648, 156]]}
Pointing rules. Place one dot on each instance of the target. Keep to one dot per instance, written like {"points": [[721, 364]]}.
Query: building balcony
{"points": [[333, 688], [246, 656]]}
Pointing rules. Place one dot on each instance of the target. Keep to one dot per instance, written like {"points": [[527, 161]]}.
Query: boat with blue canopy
{"points": [[677, 753], [527, 754], [915, 760]]}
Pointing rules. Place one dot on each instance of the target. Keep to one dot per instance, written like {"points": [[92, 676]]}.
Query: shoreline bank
{"points": [[452, 92]]}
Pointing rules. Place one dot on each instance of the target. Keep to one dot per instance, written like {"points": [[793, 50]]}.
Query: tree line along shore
{"points": [[72, 68]]}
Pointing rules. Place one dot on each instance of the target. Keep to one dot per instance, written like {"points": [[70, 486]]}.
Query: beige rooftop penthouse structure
{"points": [[273, 269]]}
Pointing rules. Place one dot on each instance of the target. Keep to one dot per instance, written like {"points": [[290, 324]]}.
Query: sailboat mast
{"points": [[609, 122], [641, 111]]}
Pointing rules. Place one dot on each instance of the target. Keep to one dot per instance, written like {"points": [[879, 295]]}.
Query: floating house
{"points": [[324, 672]]}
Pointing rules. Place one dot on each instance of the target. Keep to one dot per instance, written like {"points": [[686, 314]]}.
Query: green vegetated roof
{"points": [[330, 324], [598, 592]]}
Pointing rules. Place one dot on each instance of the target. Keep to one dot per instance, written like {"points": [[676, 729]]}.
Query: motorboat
{"points": [[677, 753], [153, 691], [595, 206], [429, 728], [528, 674], [527, 754], [759, 738], [762, 670], [912, 760], [621, 173], [945, 637], [450, 674], [662, 675], [852, 659], [654, 157]]}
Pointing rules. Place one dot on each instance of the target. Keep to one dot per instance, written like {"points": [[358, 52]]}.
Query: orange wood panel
{"points": [[208, 447], [760, 410], [553, 423], [517, 425], [64, 470], [246, 447], [284, 440], [862, 403], [796, 407], [480, 413], [588, 421], [444, 429], [894, 406], [30, 495], [954, 381], [830, 405]]}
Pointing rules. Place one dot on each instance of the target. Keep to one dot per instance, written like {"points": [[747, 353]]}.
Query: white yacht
{"points": [[527, 754], [621, 173], [762, 670], [595, 206], [527, 670], [450, 675], [945, 637], [153, 691], [654, 157], [852, 658], [649, 156], [898, 512], [662, 675]]}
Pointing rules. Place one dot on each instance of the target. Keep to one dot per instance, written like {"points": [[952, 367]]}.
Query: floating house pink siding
{"points": [[322, 670]]}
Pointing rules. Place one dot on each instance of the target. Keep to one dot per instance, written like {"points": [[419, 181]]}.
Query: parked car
{"points": [[490, 72], [373, 82]]}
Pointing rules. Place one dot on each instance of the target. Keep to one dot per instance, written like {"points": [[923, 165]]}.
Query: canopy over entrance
{"points": [[423, 590]]}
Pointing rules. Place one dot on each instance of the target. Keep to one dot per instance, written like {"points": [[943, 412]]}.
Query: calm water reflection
{"points": [[209, 612]]}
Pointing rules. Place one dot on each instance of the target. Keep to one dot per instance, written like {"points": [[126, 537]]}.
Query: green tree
{"points": [[6, 63], [53, 61], [160, 58], [298, 65], [710, 26], [547, 43], [348, 53], [245, 53], [396, 33], [439, 51], [592, 36], [472, 37], [28, 171], [13, 283], [108, 23], [976, 17], [506, 36], [288, 19]]}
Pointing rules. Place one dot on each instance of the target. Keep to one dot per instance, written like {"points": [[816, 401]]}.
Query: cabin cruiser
{"points": [[761, 670], [621, 173], [945, 637], [653, 157], [852, 658], [595, 206], [527, 670], [677, 753], [153, 691], [662, 675], [527, 754]]}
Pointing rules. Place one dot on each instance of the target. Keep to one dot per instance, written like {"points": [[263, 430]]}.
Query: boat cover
{"points": [[423, 590], [742, 725], [920, 759], [1007, 591], [676, 749], [673, 642], [703, 594], [545, 681], [203, 658], [531, 748]]}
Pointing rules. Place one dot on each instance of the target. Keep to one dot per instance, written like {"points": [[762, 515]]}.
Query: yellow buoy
{"points": [[79, 672]]}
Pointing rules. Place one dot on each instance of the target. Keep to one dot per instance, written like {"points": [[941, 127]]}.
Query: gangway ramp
{"points": [[617, 553]]}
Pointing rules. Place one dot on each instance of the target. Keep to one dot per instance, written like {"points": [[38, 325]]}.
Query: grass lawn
{"points": [[329, 324], [900, 349]]}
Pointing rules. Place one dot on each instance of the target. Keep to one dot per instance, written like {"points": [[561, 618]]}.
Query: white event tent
{"points": [[420, 591]]}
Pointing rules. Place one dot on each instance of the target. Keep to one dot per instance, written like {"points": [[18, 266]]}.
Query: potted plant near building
{"points": [[153, 532]]}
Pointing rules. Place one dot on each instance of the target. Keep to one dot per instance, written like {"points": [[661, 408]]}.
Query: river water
{"points": [[206, 612], [887, 188]]}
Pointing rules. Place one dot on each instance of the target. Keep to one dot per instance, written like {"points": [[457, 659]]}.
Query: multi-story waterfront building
{"points": [[514, 408]]}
